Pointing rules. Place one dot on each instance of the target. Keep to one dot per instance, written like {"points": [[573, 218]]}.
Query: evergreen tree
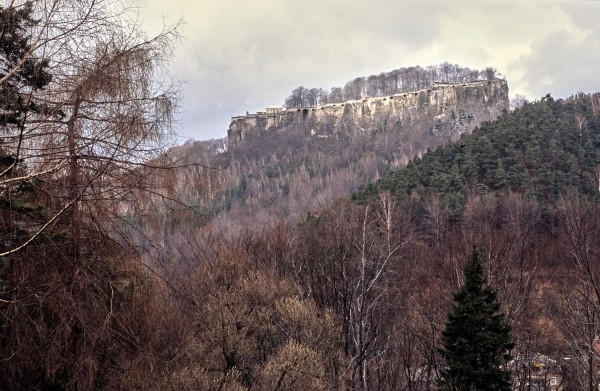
{"points": [[20, 71], [545, 148], [476, 340]]}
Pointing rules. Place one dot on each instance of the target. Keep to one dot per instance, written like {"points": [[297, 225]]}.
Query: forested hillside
{"points": [[265, 173], [129, 265], [373, 280], [543, 150], [522, 188]]}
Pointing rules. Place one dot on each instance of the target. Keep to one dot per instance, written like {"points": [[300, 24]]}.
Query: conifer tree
{"points": [[20, 71], [476, 341], [20, 74]]}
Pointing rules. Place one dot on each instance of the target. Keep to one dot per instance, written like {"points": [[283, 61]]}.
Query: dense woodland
{"points": [[114, 277], [539, 150], [385, 268]]}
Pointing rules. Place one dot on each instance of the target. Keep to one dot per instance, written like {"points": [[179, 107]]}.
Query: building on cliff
{"points": [[459, 107]]}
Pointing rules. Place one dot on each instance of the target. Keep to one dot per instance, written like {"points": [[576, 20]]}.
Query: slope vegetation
{"points": [[541, 149]]}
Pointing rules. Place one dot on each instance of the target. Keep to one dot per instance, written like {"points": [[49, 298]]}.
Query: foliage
{"points": [[541, 149], [476, 340], [253, 330], [21, 72], [294, 167], [353, 297]]}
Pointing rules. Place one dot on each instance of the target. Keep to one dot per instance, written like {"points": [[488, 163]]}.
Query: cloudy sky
{"points": [[241, 55]]}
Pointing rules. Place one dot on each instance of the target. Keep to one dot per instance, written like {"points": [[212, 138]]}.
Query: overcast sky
{"points": [[241, 55]]}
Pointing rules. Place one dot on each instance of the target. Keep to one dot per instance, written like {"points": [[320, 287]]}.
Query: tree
{"points": [[336, 95], [490, 73], [297, 99], [20, 73], [476, 341], [106, 110], [518, 101], [576, 309], [87, 141], [352, 260]]}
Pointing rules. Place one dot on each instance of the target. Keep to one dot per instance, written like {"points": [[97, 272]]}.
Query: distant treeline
{"points": [[389, 83]]}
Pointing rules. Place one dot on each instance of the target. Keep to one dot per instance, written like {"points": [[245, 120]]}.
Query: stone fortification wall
{"points": [[441, 104]]}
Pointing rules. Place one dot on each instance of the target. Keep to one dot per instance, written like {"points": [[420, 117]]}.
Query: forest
{"points": [[539, 150], [114, 276]]}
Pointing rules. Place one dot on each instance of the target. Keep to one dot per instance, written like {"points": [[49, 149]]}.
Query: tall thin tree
{"points": [[476, 340]]}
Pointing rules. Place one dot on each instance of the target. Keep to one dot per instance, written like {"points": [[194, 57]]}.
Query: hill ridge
{"points": [[441, 101]]}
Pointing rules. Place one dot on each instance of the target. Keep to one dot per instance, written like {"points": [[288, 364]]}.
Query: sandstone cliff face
{"points": [[449, 109]]}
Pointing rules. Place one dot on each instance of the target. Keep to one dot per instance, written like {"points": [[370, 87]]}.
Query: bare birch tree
{"points": [[84, 148], [107, 111], [576, 310]]}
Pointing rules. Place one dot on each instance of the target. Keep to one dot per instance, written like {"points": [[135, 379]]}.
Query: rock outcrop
{"points": [[449, 109]]}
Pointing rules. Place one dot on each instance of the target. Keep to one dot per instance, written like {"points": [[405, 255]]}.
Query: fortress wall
{"points": [[485, 98]]}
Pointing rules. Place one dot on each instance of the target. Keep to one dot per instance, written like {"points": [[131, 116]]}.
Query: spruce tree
{"points": [[20, 71], [476, 340]]}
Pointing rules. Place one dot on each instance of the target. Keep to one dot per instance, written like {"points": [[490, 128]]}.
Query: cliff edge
{"points": [[446, 109]]}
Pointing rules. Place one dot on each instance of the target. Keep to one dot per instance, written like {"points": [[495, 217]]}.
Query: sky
{"points": [[239, 56]]}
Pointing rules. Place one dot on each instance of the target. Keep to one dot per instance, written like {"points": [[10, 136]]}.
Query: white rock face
{"points": [[461, 107]]}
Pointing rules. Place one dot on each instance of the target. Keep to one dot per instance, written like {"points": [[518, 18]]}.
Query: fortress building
{"points": [[460, 107]]}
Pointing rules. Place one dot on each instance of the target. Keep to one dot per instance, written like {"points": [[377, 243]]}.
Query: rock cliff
{"points": [[448, 109]]}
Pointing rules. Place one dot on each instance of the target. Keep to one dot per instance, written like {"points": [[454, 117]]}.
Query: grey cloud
{"points": [[562, 66], [250, 56], [240, 56], [564, 62]]}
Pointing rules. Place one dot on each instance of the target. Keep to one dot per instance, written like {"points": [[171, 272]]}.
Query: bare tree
{"points": [[577, 309], [298, 98], [93, 142], [107, 111], [518, 101]]}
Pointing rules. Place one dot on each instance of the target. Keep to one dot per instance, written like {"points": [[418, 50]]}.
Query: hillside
{"points": [[243, 264], [267, 297], [283, 162], [522, 188], [542, 149]]}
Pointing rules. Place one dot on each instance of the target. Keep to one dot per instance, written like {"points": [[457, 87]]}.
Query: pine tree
{"points": [[20, 71], [476, 340]]}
